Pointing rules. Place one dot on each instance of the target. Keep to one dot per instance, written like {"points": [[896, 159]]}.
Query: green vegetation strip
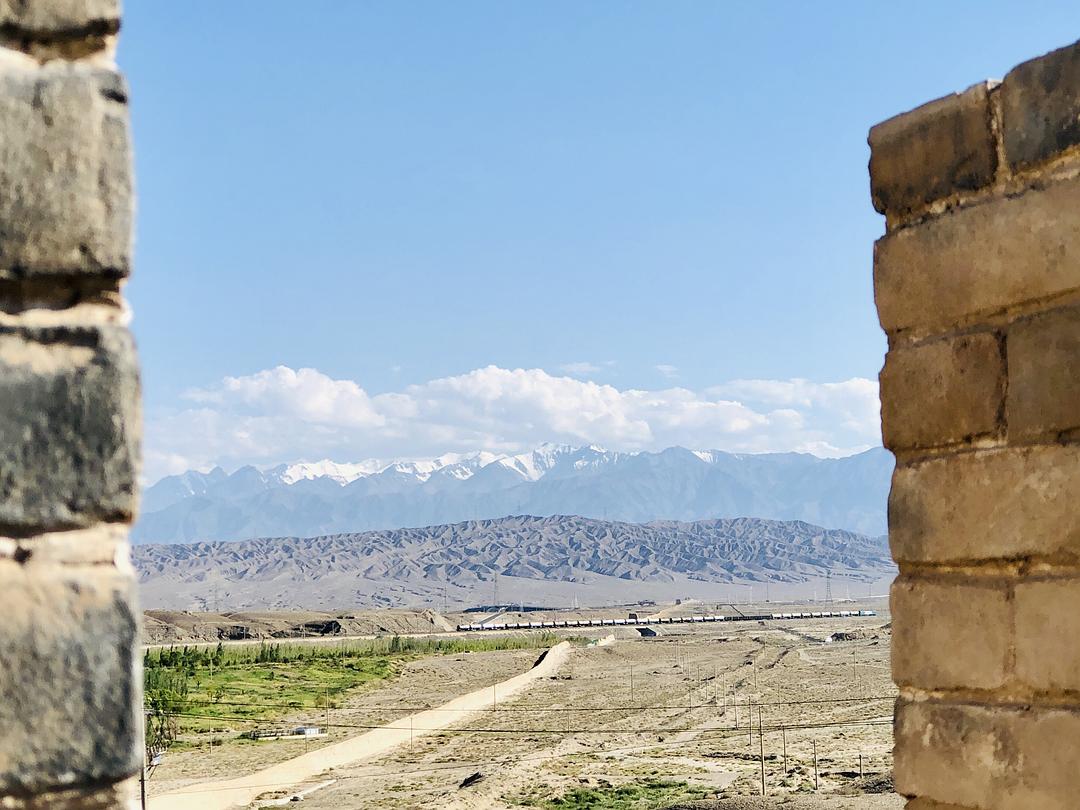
{"points": [[267, 681], [649, 794]]}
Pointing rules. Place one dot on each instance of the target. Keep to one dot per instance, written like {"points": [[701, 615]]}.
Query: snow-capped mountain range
{"points": [[326, 497]]}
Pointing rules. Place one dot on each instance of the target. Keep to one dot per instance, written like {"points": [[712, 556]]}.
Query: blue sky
{"points": [[414, 227]]}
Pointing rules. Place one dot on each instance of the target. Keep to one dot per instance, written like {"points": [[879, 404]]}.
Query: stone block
{"points": [[120, 796], [992, 757], [70, 690], [937, 150], [950, 632], [989, 504], [58, 17], [953, 753], [69, 427], [942, 393], [1044, 386], [1048, 634], [65, 173], [979, 261], [1040, 107]]}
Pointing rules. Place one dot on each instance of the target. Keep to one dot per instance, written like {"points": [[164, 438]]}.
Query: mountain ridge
{"points": [[536, 558], [314, 498]]}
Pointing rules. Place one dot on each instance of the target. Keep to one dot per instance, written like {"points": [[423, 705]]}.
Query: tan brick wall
{"points": [[70, 680], [977, 282]]}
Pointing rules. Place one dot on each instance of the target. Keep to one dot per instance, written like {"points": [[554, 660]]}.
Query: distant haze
{"points": [[307, 499]]}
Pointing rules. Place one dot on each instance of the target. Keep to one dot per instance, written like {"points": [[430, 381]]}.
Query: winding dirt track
{"points": [[240, 792]]}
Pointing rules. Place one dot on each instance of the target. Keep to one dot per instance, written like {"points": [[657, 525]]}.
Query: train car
{"points": [[868, 613]]}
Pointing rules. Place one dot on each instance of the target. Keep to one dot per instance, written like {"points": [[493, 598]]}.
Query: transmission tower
{"points": [[828, 587]]}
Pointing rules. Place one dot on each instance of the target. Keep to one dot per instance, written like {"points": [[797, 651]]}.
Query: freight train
{"points": [[761, 617]]}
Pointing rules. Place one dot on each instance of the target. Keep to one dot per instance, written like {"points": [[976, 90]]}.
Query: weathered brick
{"points": [[1044, 386], [121, 796], [950, 633], [934, 151], [69, 427], [942, 393], [987, 757], [65, 179], [952, 753], [992, 504], [58, 16], [69, 676], [1040, 107], [979, 260], [1048, 610]]}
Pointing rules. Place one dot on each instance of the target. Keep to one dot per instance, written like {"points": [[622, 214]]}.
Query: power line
{"points": [[872, 721], [509, 760], [540, 709]]}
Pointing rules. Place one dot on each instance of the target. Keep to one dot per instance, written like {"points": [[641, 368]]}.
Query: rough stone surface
{"points": [[1040, 107], [1048, 609], [69, 677], [955, 754], [121, 796], [65, 178], [69, 423], [994, 758], [57, 16], [942, 393], [950, 633], [986, 505], [939, 149], [1044, 386], [978, 261]]}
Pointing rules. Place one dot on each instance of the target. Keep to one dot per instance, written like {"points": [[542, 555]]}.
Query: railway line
{"points": [[658, 620]]}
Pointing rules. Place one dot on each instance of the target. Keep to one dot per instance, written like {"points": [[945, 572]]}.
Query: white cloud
{"points": [[669, 371], [282, 414]]}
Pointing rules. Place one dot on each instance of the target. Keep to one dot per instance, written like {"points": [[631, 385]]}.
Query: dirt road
{"points": [[241, 791]]}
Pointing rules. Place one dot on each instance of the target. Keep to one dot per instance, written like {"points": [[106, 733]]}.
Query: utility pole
{"points": [[783, 732], [761, 749], [327, 701], [750, 722], [631, 684], [853, 675], [815, 766]]}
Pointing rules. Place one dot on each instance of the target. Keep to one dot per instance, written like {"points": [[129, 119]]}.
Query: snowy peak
{"points": [[342, 474], [326, 497]]}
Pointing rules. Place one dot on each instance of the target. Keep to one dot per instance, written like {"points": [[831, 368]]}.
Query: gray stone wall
{"points": [[977, 281], [70, 680]]}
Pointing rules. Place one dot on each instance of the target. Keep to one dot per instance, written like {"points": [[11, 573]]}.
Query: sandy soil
{"points": [[423, 683], [223, 794], [584, 727]]}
